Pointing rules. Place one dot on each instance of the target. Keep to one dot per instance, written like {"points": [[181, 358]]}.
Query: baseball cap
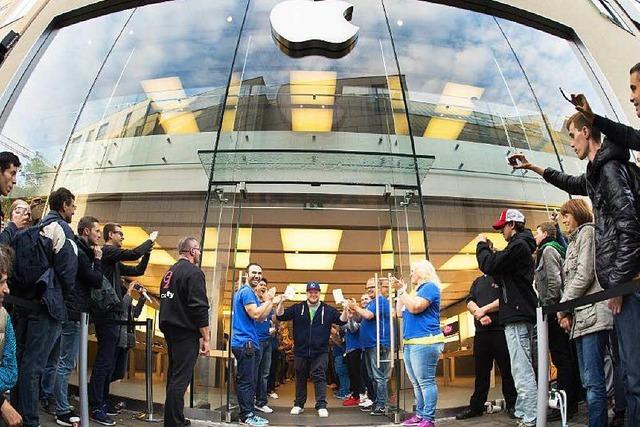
{"points": [[313, 286], [506, 216]]}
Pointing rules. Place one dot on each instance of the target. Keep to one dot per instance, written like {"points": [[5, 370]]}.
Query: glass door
{"points": [[221, 252]]}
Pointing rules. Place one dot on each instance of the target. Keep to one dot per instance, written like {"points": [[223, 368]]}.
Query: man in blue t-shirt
{"points": [[245, 343], [371, 325]]}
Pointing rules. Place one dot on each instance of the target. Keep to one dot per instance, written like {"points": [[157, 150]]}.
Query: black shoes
{"points": [[511, 412], [617, 420], [378, 412], [468, 413]]}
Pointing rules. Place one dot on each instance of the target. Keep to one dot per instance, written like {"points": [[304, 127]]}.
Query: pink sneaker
{"points": [[413, 421], [427, 423]]}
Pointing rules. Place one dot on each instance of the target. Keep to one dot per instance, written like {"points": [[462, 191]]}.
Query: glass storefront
{"points": [[188, 118]]}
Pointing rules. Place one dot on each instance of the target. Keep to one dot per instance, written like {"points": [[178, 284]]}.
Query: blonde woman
{"points": [[423, 339]]}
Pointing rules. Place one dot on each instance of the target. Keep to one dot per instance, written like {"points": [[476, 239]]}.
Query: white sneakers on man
{"points": [[264, 409], [296, 410], [323, 413]]}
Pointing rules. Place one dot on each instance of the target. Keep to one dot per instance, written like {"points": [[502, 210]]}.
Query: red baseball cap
{"points": [[506, 216]]}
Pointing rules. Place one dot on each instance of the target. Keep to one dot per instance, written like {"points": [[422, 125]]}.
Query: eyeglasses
{"points": [[370, 288]]}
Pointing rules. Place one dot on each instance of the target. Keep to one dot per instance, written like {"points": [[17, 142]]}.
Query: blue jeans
{"points": [[262, 374], [69, 348], [421, 361], [628, 332], [48, 378], [379, 375], [342, 372], [591, 349], [103, 364], [247, 359], [519, 342], [35, 337]]}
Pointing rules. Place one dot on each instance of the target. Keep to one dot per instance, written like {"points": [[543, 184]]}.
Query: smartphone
{"points": [[513, 161], [564, 95]]}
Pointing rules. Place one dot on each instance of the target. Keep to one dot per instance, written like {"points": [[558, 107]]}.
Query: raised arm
{"points": [[114, 254], [617, 133]]}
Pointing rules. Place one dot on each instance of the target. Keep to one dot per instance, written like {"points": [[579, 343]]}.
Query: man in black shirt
{"points": [[489, 344], [107, 332], [184, 320]]}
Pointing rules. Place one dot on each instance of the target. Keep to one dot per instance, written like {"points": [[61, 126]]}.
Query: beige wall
{"points": [[607, 44]]}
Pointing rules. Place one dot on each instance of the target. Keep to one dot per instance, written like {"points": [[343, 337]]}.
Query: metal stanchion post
{"points": [[543, 368], [148, 416], [83, 380], [377, 304]]}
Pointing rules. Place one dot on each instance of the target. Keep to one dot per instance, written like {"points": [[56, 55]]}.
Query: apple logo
{"points": [[307, 27]]}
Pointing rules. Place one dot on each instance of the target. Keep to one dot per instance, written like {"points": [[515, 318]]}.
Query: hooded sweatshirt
{"points": [[311, 335], [512, 270]]}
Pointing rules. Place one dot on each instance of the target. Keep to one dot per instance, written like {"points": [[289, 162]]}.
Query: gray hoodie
{"points": [[580, 280]]}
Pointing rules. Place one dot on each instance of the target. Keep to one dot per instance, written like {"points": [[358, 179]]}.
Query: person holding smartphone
{"points": [[19, 219]]}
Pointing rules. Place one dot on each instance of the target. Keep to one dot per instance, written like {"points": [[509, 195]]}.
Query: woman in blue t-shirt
{"points": [[423, 339]]}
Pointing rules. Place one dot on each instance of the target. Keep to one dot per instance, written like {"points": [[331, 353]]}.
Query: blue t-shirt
{"points": [[368, 327], [426, 323], [263, 328], [352, 340], [244, 327]]}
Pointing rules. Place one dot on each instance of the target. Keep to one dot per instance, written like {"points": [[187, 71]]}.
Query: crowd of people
{"points": [[54, 274]]}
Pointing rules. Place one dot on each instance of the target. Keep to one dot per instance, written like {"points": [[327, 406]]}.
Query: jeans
{"points": [[342, 372], [591, 350], [379, 375], [103, 364], [262, 374], [628, 332], [519, 342], [182, 348], [35, 337], [366, 378], [354, 359], [247, 359], [421, 361], [48, 378], [69, 348], [317, 367], [487, 347]]}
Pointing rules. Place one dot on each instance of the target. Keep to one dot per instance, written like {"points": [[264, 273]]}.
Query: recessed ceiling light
{"points": [[229, 18], [400, 22]]}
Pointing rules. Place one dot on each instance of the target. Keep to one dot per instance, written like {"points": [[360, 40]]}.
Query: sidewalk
{"points": [[126, 419]]}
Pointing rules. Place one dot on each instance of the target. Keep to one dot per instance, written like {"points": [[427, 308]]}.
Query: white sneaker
{"points": [[296, 410], [273, 395], [323, 413], [365, 403], [264, 409]]}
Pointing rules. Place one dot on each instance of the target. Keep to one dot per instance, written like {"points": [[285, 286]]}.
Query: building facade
{"points": [[190, 117]]}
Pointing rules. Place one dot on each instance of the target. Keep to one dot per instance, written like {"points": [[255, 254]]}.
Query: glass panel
{"points": [[218, 261], [42, 114], [541, 61], [314, 102], [320, 167]]}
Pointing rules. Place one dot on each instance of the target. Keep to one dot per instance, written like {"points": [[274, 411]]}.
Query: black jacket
{"points": [[609, 183], [483, 291], [89, 277], [183, 299], [512, 270], [113, 268], [311, 339]]}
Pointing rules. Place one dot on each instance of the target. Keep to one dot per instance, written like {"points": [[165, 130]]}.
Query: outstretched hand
{"points": [[582, 105]]}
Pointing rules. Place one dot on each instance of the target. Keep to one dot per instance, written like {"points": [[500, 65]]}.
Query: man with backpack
{"points": [[44, 274], [107, 332], [612, 184]]}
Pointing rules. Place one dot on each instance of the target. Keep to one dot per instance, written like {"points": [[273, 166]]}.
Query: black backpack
{"points": [[34, 256]]}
